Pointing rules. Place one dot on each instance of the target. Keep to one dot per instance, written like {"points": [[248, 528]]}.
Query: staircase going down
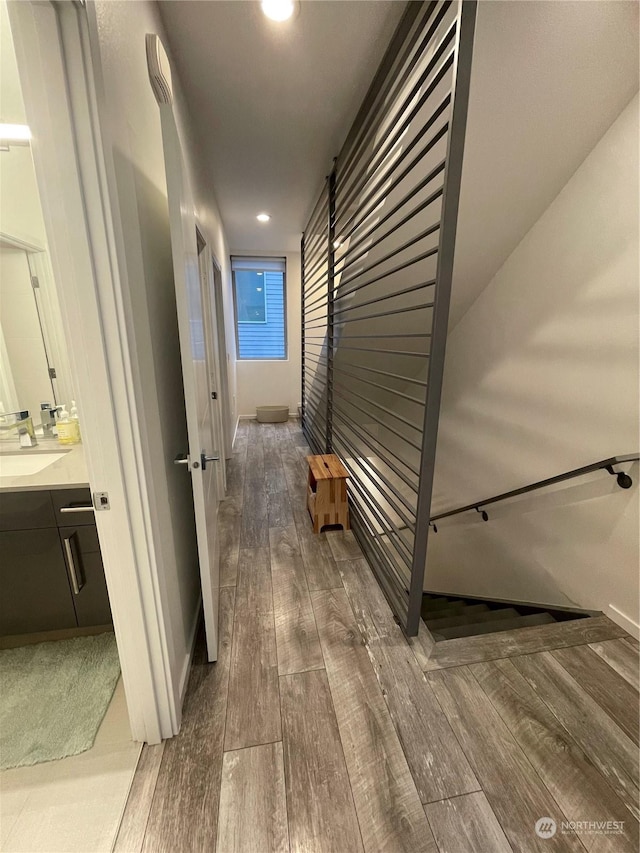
{"points": [[449, 618]]}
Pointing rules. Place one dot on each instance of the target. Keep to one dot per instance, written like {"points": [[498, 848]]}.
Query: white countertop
{"points": [[66, 473]]}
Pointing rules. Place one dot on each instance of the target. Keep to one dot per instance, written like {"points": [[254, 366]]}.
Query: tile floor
{"points": [[73, 805]]}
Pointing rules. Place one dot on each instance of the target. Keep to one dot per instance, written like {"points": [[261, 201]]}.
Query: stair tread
{"points": [[495, 626], [468, 609], [465, 618], [435, 604], [453, 611]]}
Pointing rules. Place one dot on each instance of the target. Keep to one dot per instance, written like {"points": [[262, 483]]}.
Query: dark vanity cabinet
{"points": [[51, 573], [34, 587], [82, 555]]}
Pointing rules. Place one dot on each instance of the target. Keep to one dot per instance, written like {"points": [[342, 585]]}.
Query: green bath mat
{"points": [[53, 697]]}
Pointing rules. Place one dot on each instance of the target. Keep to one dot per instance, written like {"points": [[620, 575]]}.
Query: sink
{"points": [[23, 464]]}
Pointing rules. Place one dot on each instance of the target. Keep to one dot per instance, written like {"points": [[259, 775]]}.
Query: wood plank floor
{"points": [[253, 786], [322, 730]]}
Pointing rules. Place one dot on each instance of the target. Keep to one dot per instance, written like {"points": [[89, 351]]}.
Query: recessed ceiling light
{"points": [[278, 10], [263, 217]]}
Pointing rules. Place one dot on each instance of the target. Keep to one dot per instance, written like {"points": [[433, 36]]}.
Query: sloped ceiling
{"points": [[272, 103], [548, 80]]}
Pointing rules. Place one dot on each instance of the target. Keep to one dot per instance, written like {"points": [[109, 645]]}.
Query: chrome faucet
{"points": [[22, 423], [48, 416], [11, 420], [27, 439]]}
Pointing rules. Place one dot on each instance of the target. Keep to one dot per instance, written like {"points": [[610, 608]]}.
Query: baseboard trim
{"points": [[292, 417], [235, 433], [624, 621]]}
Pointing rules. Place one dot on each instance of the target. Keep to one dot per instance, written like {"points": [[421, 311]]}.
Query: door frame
{"points": [[228, 428], [58, 78]]}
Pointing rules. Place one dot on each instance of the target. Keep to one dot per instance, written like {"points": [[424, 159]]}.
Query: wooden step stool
{"points": [[327, 492]]}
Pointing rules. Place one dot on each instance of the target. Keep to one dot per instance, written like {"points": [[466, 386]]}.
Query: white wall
{"points": [[265, 383], [20, 212], [131, 131], [547, 81], [541, 377]]}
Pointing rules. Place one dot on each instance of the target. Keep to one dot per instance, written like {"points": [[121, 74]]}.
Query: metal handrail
{"points": [[624, 481]]}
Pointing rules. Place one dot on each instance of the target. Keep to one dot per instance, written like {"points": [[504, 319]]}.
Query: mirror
{"points": [[34, 365], [28, 372]]}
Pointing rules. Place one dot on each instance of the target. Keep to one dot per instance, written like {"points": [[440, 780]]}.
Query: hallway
{"points": [[317, 729]]}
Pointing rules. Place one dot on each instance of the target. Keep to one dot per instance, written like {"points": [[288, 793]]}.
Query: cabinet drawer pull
{"points": [[76, 509], [76, 582]]}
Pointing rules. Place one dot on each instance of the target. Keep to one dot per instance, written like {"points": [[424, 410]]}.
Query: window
{"points": [[251, 297], [259, 296]]}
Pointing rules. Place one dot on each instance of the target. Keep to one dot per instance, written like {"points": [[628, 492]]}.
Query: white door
{"points": [[200, 459]]}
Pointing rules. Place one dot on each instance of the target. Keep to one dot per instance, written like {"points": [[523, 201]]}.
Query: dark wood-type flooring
{"points": [[321, 730]]}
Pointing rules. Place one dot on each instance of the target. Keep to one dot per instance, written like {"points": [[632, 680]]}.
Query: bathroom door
{"points": [[199, 459]]}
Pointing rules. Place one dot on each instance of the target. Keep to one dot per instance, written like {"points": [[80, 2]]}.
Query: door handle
{"points": [[77, 509], [184, 459], [204, 459], [77, 582]]}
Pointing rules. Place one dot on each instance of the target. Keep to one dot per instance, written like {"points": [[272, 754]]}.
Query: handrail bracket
{"points": [[623, 480]]}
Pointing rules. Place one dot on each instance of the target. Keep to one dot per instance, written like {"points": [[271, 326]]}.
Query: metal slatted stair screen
{"points": [[315, 289], [377, 260]]}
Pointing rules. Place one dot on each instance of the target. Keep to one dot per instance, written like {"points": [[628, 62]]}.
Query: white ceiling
{"points": [[548, 79], [272, 103]]}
